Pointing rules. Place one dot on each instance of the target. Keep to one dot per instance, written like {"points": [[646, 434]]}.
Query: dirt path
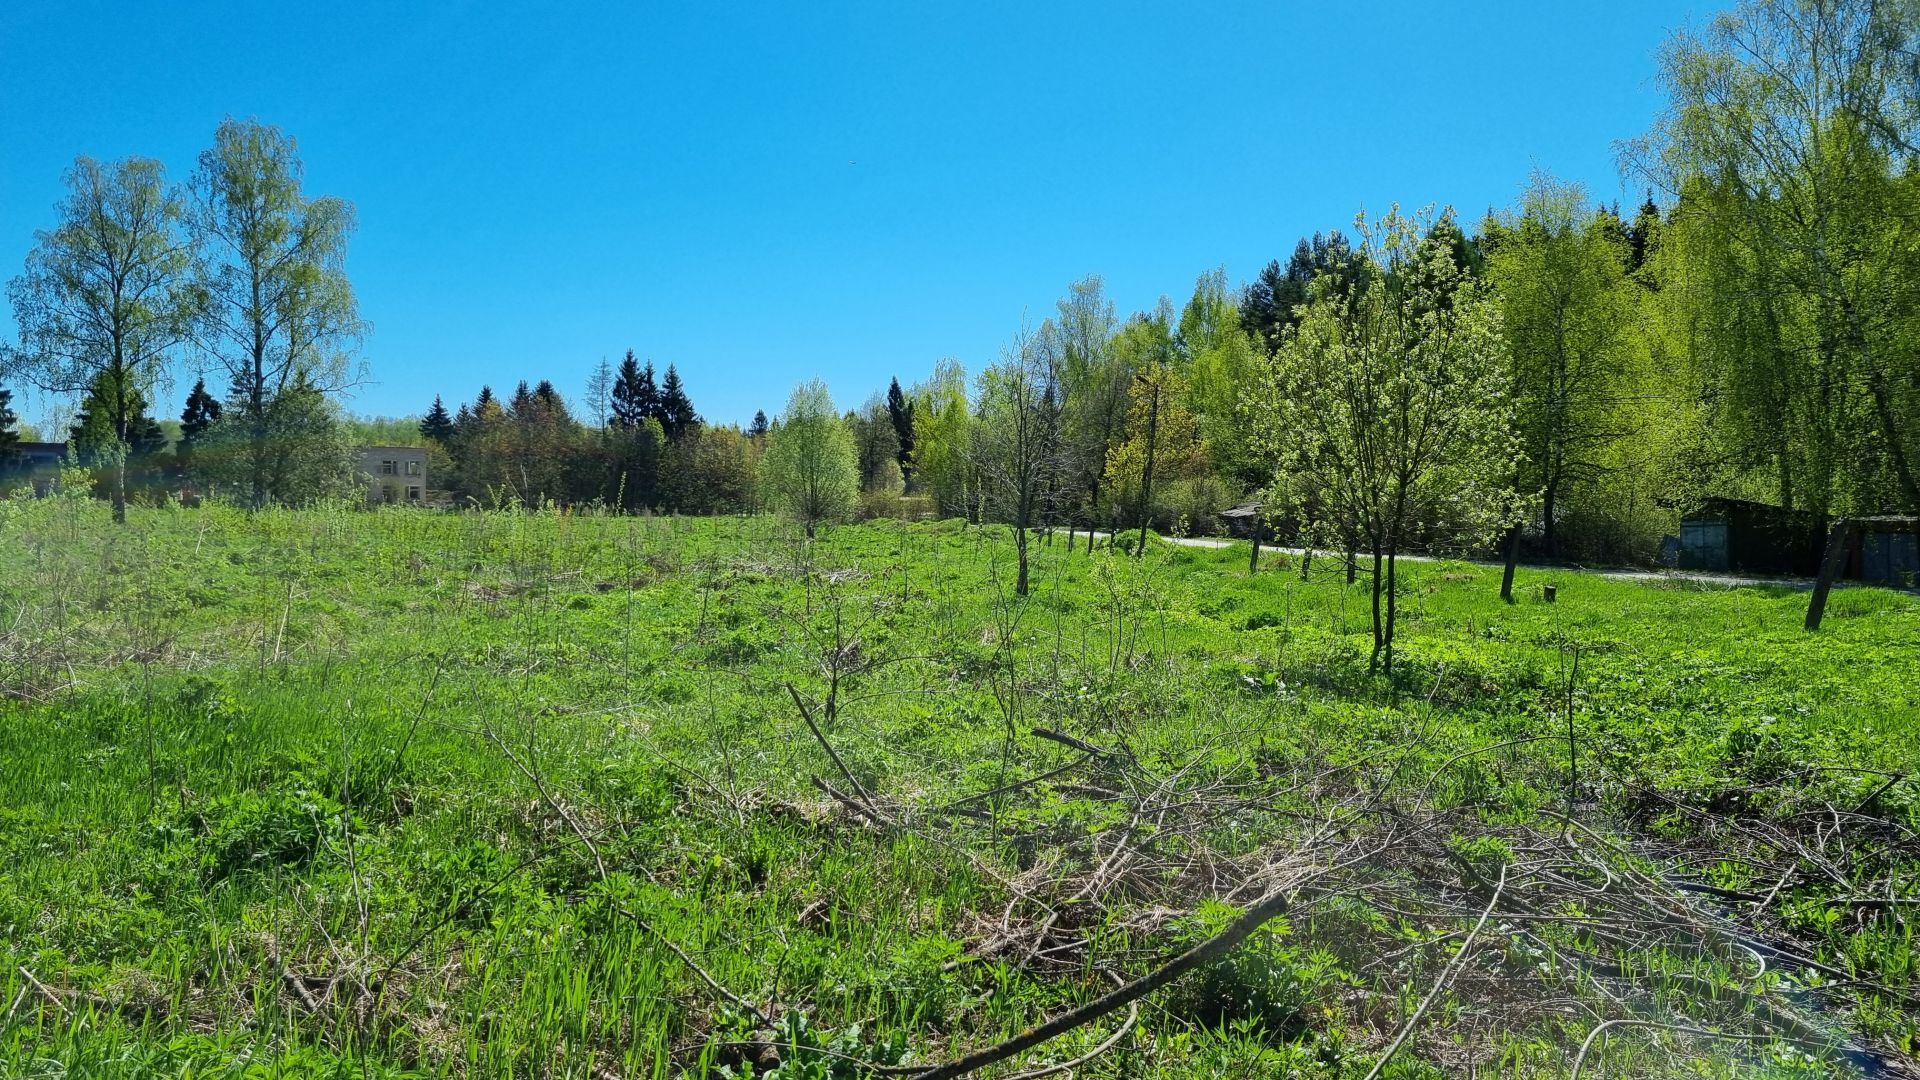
{"points": [[1694, 577]]}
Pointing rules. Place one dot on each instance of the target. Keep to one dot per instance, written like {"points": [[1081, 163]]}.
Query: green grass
{"points": [[305, 793]]}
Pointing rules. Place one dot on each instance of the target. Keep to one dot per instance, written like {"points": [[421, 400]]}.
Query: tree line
{"points": [[1557, 378], [640, 448]]}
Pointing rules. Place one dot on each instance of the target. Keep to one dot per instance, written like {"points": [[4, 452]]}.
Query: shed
{"points": [[1886, 550], [1241, 522], [1750, 537]]}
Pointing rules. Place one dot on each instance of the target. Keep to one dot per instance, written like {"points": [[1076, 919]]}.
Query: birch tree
{"points": [[1017, 440], [273, 266], [811, 470], [106, 301], [1789, 144]]}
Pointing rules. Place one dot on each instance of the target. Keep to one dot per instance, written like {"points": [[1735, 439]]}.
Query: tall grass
{"points": [[411, 793]]}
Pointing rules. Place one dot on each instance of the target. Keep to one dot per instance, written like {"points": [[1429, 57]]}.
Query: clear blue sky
{"points": [[764, 193]]}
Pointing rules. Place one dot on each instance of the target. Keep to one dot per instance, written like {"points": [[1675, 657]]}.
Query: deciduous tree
{"points": [[1388, 408], [273, 265], [1560, 280], [106, 301], [1788, 143], [1017, 440], [811, 471], [943, 439]]}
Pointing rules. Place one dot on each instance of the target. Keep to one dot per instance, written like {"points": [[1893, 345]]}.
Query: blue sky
{"points": [[766, 193]]}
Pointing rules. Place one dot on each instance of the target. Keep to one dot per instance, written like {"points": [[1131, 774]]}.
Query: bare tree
{"points": [[1017, 441]]}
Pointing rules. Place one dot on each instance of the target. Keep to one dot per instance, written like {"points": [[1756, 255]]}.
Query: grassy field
{"points": [[408, 793]]}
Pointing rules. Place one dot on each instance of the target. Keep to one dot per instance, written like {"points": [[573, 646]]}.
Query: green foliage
{"points": [[1263, 986], [278, 720], [295, 448], [105, 303], [710, 470], [1567, 311], [811, 470], [1387, 410], [280, 315], [943, 440], [1788, 141]]}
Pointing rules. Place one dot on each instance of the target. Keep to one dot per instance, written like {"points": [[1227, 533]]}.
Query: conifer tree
{"points": [[600, 392], [9, 433], [758, 429], [676, 409], [522, 402], [195, 420], [633, 393], [119, 451], [634, 437], [900, 408], [437, 426]]}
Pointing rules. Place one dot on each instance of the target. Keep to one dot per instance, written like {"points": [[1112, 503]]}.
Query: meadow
{"points": [[407, 793]]}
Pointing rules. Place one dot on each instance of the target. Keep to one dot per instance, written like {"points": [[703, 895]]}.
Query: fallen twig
{"points": [[1218, 945], [807, 715], [1446, 976]]}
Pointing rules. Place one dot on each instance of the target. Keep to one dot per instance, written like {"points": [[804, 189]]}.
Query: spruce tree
{"points": [[600, 392], [92, 433], [676, 409], [646, 396], [634, 436], [1271, 304], [437, 426], [900, 409], [9, 434], [758, 429], [195, 420], [1643, 236], [522, 403], [629, 403], [96, 443]]}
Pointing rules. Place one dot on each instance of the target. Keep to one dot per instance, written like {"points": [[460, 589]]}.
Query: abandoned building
{"points": [[1756, 538], [395, 474]]}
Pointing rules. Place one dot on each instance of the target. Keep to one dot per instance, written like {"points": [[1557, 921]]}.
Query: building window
{"points": [[388, 468], [413, 468], [413, 494]]}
